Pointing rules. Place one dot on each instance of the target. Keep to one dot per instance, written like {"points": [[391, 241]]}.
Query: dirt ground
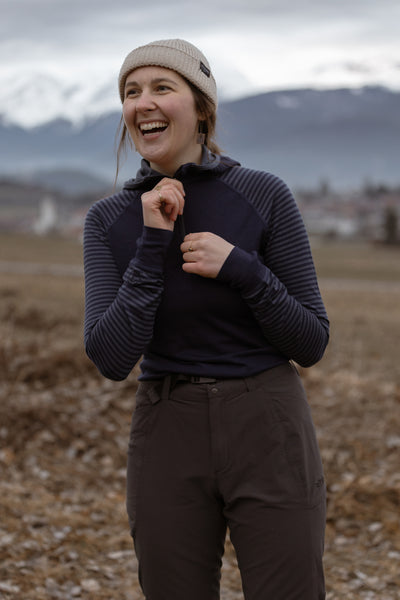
{"points": [[63, 441]]}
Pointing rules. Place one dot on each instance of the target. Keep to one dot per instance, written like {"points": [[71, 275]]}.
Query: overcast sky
{"points": [[252, 45]]}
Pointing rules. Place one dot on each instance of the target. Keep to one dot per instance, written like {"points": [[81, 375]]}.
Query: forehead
{"points": [[148, 73]]}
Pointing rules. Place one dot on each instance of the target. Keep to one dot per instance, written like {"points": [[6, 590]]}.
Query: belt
{"points": [[170, 381], [193, 378]]}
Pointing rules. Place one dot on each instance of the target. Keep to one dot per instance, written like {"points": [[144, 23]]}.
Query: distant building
{"points": [[46, 221]]}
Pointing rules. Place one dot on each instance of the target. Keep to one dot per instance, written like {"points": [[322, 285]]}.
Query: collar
{"points": [[146, 177]]}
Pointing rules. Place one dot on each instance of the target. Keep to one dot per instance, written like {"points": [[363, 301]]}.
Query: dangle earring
{"points": [[201, 135]]}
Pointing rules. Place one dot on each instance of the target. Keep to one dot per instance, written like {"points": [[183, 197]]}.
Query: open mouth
{"points": [[155, 127]]}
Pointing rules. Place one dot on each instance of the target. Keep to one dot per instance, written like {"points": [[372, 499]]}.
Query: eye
{"points": [[131, 92], [162, 88]]}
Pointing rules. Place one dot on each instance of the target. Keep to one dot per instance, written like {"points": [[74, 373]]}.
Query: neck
{"points": [[170, 169]]}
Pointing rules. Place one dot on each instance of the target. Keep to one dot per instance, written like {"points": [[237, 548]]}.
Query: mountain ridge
{"points": [[345, 136]]}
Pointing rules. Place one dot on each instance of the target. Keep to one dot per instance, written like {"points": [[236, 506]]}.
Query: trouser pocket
{"points": [[148, 398], [290, 412], [284, 438]]}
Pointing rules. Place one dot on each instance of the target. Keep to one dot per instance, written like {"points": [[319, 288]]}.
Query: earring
{"points": [[201, 136]]}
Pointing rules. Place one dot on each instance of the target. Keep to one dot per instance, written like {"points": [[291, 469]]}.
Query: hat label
{"points": [[205, 70]]}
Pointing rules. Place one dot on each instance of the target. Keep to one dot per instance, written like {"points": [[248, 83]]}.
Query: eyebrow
{"points": [[153, 81]]}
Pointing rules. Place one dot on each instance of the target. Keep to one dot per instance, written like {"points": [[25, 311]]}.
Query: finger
{"points": [[189, 257], [167, 200], [172, 185], [180, 199], [198, 236], [174, 211], [178, 185], [172, 197], [172, 181], [178, 190], [160, 200], [187, 246], [190, 267], [171, 208], [177, 203], [190, 244]]}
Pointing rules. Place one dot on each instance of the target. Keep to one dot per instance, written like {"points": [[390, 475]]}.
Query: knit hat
{"points": [[178, 55]]}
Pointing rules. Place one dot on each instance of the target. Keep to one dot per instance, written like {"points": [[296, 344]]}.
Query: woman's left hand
{"points": [[204, 253]]}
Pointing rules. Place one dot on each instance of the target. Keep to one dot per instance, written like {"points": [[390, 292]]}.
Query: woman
{"points": [[204, 268]]}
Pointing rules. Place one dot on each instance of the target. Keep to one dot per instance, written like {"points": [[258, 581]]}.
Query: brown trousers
{"points": [[238, 453]]}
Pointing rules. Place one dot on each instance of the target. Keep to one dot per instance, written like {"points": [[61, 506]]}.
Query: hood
{"points": [[146, 178]]}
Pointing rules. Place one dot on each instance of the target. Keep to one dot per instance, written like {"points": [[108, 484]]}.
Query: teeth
{"points": [[154, 125]]}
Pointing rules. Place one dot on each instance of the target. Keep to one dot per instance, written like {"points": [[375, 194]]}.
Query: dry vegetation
{"points": [[63, 434]]}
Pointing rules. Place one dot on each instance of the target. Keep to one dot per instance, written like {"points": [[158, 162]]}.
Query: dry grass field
{"points": [[64, 429]]}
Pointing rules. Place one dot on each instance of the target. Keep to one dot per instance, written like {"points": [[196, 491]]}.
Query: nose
{"points": [[145, 102]]}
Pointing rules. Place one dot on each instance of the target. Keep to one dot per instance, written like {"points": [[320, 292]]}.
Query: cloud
{"points": [[252, 46], [103, 22]]}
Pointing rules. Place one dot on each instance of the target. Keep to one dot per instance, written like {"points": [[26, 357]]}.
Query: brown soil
{"points": [[63, 440]]}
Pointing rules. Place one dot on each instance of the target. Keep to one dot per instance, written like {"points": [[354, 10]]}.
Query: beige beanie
{"points": [[178, 55]]}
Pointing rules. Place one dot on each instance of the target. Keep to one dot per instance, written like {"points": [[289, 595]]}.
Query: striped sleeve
{"points": [[281, 289], [120, 312]]}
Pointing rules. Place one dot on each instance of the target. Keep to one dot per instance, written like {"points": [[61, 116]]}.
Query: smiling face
{"points": [[160, 115]]}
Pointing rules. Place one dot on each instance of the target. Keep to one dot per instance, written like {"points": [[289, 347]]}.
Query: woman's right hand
{"points": [[163, 204]]}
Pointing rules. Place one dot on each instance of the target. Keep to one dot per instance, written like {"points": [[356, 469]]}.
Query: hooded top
{"points": [[263, 308]]}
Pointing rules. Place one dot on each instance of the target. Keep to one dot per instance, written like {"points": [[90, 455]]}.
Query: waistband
{"points": [[251, 382]]}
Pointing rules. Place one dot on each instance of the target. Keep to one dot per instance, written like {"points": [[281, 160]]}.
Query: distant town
{"points": [[370, 213]]}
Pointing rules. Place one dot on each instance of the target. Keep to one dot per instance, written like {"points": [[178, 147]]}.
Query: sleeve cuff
{"points": [[151, 251], [242, 270]]}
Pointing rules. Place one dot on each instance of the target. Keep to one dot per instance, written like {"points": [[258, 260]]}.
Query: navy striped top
{"points": [[263, 309]]}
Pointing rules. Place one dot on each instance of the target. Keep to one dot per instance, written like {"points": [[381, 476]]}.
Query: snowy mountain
{"points": [[344, 136], [34, 99], [35, 96]]}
